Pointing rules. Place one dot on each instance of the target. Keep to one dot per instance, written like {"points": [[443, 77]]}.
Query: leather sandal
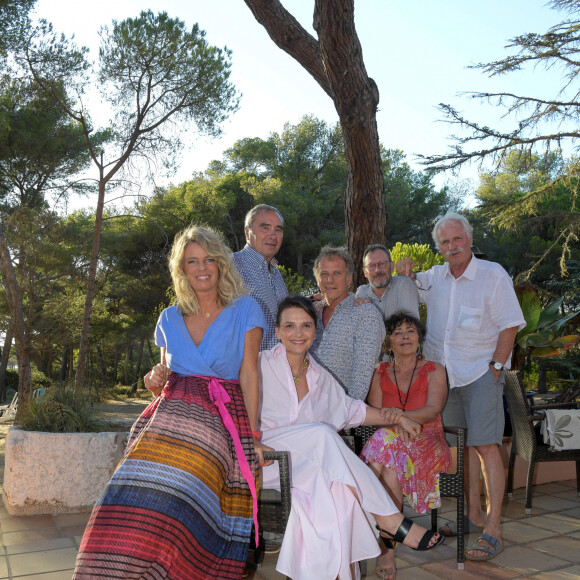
{"points": [[403, 531], [386, 573]]}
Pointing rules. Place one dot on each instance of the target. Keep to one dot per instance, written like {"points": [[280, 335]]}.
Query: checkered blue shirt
{"points": [[265, 285]]}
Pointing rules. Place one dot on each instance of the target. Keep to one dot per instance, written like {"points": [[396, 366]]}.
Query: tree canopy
{"points": [[158, 77], [538, 121]]}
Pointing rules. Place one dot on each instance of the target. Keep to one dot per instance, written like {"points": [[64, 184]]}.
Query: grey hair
{"points": [[250, 216], [372, 247], [451, 216], [332, 252]]}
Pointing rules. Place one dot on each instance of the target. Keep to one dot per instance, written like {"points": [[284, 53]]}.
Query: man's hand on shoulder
{"points": [[358, 301]]}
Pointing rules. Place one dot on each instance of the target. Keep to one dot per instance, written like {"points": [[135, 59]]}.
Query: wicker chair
{"points": [[273, 505], [450, 484], [525, 443]]}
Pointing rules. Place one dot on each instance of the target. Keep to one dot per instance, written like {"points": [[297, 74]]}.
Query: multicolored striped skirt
{"points": [[178, 505]]}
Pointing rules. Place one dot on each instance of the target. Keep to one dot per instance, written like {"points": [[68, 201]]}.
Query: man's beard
{"points": [[381, 285]]}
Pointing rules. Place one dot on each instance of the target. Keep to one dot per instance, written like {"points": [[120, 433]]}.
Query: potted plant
{"points": [[58, 456]]}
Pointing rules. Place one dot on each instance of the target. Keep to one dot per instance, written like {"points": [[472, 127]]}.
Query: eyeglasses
{"points": [[377, 266]]}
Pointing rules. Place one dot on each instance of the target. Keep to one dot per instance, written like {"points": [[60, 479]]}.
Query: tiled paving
{"points": [[544, 545]]}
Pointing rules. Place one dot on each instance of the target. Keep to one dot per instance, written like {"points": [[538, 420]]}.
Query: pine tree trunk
{"points": [[14, 296], [64, 365], [84, 344], [336, 62], [542, 376], [8, 338], [138, 366]]}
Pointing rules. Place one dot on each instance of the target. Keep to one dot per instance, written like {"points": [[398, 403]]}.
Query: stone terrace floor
{"points": [[544, 545]]}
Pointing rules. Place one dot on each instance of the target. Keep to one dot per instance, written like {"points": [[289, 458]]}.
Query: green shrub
{"points": [[60, 411], [39, 379], [297, 284], [421, 254], [11, 379], [554, 379]]}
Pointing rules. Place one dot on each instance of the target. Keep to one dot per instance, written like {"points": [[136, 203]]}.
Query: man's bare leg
{"points": [[494, 477], [473, 509], [472, 471]]}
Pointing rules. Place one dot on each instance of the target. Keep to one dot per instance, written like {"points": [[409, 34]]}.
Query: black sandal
{"points": [[401, 534], [389, 544]]}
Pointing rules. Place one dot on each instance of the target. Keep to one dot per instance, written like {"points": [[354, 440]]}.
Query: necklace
{"points": [[298, 378], [403, 405], [207, 314]]}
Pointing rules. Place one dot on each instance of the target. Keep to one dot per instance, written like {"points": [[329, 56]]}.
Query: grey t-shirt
{"points": [[400, 294]]}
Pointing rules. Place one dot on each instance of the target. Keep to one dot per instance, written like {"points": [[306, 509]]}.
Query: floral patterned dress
{"points": [[419, 463]]}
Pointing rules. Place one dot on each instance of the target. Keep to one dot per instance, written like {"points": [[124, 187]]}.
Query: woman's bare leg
{"points": [[390, 481], [388, 477], [391, 524]]}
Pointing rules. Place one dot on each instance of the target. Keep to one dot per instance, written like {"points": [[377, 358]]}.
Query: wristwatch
{"points": [[496, 365]]}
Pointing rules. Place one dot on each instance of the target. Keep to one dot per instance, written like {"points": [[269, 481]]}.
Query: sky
{"points": [[417, 51]]}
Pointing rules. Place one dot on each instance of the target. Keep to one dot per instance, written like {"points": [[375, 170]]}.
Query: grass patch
{"points": [[125, 392]]}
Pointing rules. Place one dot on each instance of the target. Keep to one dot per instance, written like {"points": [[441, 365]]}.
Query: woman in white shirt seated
{"points": [[336, 499]]}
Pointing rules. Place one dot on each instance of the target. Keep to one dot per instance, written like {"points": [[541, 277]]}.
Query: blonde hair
{"points": [[230, 285]]}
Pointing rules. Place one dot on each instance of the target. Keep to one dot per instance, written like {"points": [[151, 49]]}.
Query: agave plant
{"points": [[543, 336]]}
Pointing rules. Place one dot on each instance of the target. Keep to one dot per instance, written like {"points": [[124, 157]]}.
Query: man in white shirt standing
{"points": [[473, 316]]}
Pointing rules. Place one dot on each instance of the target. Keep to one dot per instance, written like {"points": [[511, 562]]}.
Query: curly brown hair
{"points": [[402, 317]]}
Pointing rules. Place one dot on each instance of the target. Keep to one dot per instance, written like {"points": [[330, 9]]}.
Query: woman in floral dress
{"points": [[408, 467]]}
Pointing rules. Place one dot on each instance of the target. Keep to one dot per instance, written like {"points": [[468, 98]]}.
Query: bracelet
{"points": [[257, 434]]}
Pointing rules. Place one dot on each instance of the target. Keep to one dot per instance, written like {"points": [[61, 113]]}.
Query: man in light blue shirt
{"points": [[264, 229]]}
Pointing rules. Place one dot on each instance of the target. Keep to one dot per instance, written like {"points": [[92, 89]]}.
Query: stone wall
{"points": [[58, 473]]}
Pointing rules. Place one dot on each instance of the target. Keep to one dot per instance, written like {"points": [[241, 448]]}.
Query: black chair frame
{"points": [[525, 443], [450, 484]]}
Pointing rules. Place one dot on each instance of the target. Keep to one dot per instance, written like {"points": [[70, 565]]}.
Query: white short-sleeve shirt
{"points": [[466, 315]]}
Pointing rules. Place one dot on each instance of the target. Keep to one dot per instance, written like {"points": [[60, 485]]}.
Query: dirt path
{"points": [[121, 408]]}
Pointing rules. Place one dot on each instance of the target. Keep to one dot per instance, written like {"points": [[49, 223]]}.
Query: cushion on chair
{"points": [[561, 429]]}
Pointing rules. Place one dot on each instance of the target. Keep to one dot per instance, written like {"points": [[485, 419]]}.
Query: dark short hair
{"points": [[401, 317], [372, 247], [251, 215], [296, 302]]}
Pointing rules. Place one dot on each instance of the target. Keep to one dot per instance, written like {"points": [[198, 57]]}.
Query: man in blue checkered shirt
{"points": [[264, 228]]}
